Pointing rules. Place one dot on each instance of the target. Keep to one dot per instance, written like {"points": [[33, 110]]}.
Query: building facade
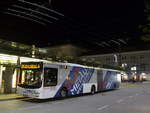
{"points": [[135, 62]]}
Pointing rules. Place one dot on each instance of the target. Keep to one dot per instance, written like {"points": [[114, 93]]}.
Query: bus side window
{"points": [[50, 77]]}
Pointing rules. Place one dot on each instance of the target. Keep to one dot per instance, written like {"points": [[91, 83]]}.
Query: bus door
{"points": [[99, 80], [50, 80]]}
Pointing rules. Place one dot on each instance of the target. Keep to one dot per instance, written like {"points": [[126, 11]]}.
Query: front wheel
{"points": [[63, 93]]}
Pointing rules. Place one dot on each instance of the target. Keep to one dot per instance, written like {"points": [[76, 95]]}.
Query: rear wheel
{"points": [[93, 90]]}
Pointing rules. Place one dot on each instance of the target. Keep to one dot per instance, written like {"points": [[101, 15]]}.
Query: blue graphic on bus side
{"points": [[75, 80], [109, 80], [83, 77]]}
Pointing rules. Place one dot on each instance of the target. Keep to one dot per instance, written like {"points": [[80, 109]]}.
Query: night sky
{"points": [[106, 14], [85, 21], [104, 19]]}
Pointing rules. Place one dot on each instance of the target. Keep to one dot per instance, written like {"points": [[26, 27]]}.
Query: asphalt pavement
{"points": [[130, 98]]}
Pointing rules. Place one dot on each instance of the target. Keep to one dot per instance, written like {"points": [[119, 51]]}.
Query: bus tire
{"points": [[63, 93], [93, 89], [115, 86]]}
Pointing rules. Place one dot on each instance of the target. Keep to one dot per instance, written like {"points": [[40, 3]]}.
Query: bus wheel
{"points": [[93, 90], [63, 93]]}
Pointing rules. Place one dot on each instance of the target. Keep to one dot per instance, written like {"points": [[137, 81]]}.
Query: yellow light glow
{"points": [[135, 77], [66, 67], [5, 58], [125, 77], [14, 79], [144, 77], [23, 78], [25, 66]]}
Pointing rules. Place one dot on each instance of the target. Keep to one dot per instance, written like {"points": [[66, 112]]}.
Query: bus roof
{"points": [[73, 64], [60, 63]]}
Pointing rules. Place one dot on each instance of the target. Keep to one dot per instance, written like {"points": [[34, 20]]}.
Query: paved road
{"points": [[134, 99]]}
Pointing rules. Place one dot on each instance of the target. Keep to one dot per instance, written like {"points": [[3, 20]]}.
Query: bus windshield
{"points": [[30, 78]]}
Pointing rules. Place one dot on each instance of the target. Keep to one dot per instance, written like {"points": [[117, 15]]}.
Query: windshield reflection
{"points": [[30, 78]]}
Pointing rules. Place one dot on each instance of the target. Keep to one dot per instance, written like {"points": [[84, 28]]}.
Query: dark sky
{"points": [[122, 14], [84, 21], [102, 18]]}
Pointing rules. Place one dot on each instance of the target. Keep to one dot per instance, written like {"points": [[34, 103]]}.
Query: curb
{"points": [[15, 98]]}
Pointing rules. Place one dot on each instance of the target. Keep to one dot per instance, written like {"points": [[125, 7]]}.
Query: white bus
{"points": [[46, 79]]}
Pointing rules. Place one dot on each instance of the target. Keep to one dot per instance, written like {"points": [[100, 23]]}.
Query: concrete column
{"points": [[7, 77], [0, 76]]}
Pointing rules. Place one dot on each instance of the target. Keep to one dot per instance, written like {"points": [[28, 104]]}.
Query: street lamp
{"points": [[119, 51], [116, 59]]}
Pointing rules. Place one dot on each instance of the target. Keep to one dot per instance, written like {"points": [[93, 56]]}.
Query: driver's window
{"points": [[50, 77]]}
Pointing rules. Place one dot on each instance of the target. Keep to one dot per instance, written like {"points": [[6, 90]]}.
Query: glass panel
{"points": [[50, 76], [30, 78]]}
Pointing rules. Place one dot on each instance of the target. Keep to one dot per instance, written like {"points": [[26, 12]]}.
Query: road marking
{"points": [[17, 99], [25, 99], [136, 94], [58, 102], [130, 96], [103, 107], [120, 100], [85, 98]]}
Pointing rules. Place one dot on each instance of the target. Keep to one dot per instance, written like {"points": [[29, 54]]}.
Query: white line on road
{"points": [[85, 98], [130, 96], [120, 100], [28, 108], [103, 107], [58, 103], [136, 94]]}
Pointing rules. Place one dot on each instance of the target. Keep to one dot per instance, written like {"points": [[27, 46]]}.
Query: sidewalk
{"points": [[6, 97], [136, 84]]}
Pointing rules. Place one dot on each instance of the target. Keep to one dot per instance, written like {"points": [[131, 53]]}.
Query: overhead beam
{"points": [[27, 18], [28, 9], [42, 7], [24, 13]]}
